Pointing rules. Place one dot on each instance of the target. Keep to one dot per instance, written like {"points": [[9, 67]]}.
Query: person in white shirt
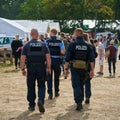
{"points": [[101, 55]]}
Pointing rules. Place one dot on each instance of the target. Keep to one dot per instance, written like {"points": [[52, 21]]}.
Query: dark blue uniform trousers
{"points": [[55, 67], [35, 72], [77, 85], [88, 88]]}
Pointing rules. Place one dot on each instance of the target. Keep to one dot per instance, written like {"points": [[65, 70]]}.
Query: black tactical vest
{"points": [[35, 53], [54, 47], [80, 51]]}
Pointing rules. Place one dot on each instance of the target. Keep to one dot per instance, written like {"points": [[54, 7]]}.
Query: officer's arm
{"points": [[63, 52], [62, 48], [48, 63], [91, 58], [23, 57], [22, 62], [92, 66], [68, 59], [48, 60], [92, 69]]}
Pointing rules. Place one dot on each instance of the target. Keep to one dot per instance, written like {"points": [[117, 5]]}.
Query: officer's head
{"points": [[78, 32], [53, 32], [34, 34]]}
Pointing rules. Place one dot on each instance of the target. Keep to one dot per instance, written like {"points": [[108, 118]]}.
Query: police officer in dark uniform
{"points": [[37, 56], [56, 48], [78, 54]]}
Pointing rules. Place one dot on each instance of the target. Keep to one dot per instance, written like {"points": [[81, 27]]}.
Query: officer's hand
{"points": [[91, 73], [24, 73], [48, 70], [66, 73]]}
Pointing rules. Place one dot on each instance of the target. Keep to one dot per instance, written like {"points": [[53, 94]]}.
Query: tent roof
{"points": [[29, 24], [11, 28]]}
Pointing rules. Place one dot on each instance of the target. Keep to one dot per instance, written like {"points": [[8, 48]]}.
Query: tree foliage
{"points": [[10, 8], [66, 9]]}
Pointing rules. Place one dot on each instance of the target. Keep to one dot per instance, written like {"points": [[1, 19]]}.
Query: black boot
{"points": [[57, 94], [79, 107], [50, 96], [31, 108], [41, 107], [87, 101]]}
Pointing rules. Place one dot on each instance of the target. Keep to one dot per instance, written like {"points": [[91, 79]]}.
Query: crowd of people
{"points": [[45, 59], [108, 49]]}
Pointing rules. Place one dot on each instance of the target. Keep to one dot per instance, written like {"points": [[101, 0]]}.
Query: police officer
{"points": [[78, 54], [37, 56], [56, 48]]}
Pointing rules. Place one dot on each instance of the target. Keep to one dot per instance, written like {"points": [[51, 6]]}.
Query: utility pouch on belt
{"points": [[79, 64]]}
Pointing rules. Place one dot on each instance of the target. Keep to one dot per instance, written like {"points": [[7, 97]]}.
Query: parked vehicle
{"points": [[5, 42]]}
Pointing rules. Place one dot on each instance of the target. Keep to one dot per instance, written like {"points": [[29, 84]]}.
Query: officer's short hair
{"points": [[79, 30], [54, 31], [34, 32]]}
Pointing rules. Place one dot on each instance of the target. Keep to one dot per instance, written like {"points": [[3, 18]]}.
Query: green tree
{"points": [[10, 8], [74, 10], [65, 9], [32, 9]]}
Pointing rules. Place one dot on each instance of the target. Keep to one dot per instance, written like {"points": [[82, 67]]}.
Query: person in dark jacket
{"points": [[16, 46], [112, 57]]}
